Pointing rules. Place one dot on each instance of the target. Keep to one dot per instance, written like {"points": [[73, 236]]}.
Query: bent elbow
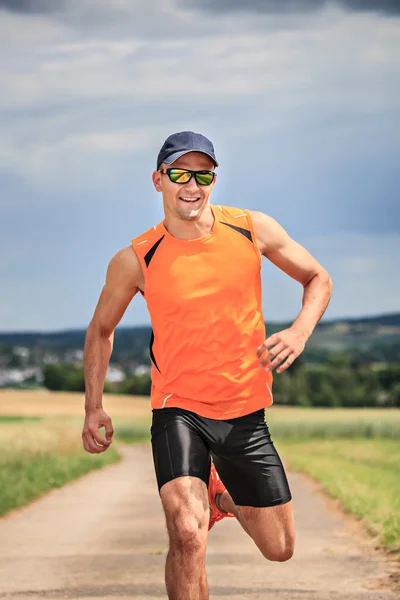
{"points": [[99, 330], [329, 283]]}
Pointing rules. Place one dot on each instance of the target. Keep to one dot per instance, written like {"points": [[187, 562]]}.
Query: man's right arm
{"points": [[123, 280]]}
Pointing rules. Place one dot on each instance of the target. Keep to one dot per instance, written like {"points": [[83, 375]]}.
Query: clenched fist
{"points": [[93, 441]]}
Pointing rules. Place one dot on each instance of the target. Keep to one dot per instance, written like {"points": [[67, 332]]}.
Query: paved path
{"points": [[103, 538]]}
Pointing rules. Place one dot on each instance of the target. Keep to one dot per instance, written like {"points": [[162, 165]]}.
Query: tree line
{"points": [[341, 381]]}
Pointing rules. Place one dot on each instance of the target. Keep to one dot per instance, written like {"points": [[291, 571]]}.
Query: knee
{"points": [[280, 555], [278, 552], [188, 537]]}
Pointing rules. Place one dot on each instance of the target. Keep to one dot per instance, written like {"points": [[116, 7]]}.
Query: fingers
{"points": [[89, 444], [268, 342], [109, 430], [272, 354], [282, 347], [94, 442], [286, 364], [282, 355], [98, 438]]}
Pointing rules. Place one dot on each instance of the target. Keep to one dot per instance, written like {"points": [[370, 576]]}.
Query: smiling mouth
{"points": [[189, 200]]}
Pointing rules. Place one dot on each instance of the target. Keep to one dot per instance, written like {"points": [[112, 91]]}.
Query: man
{"points": [[199, 272]]}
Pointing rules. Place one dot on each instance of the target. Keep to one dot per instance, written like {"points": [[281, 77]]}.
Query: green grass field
{"points": [[363, 474], [333, 423], [37, 457], [354, 453]]}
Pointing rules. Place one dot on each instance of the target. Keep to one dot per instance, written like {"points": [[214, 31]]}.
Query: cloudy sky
{"points": [[301, 100]]}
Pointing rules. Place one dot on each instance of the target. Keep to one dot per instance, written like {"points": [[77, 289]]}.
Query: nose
{"points": [[192, 184]]}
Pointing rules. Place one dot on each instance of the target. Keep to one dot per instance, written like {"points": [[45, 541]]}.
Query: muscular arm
{"points": [[292, 258], [123, 280]]}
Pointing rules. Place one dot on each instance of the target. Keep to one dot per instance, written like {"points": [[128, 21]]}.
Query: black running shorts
{"points": [[242, 450]]}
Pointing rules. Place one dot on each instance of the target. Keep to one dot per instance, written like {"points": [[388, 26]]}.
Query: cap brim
{"points": [[171, 159]]}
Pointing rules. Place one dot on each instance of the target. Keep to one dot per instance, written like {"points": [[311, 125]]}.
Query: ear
{"points": [[156, 177]]}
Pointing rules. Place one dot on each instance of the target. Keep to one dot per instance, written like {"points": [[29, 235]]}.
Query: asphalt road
{"points": [[103, 538]]}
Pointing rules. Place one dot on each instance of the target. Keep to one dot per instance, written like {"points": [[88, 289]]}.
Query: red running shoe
{"points": [[215, 486]]}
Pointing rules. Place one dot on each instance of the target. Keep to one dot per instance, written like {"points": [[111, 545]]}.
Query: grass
{"points": [[354, 453], [17, 419], [35, 458], [363, 474], [339, 422], [40, 440], [129, 434]]}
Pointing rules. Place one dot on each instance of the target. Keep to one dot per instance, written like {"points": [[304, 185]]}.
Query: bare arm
{"points": [[123, 280], [292, 258]]}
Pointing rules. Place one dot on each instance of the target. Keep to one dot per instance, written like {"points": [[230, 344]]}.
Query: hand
{"points": [[286, 344], [93, 441]]}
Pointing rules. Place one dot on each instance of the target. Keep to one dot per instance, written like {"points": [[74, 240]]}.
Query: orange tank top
{"points": [[204, 301]]}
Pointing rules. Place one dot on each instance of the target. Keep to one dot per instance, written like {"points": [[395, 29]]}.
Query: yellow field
{"points": [[43, 403]]}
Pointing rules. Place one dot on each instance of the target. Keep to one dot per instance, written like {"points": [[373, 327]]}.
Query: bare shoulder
{"points": [[125, 270], [271, 236]]}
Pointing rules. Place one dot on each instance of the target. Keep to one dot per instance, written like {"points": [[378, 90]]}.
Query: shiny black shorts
{"points": [[242, 450]]}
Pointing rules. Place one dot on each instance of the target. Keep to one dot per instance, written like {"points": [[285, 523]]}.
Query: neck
{"points": [[189, 230]]}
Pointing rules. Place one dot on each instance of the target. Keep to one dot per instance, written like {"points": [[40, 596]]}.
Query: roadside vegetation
{"points": [[353, 452], [36, 457], [363, 474]]}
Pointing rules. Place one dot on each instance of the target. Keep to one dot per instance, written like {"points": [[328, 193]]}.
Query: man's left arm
{"points": [[292, 258]]}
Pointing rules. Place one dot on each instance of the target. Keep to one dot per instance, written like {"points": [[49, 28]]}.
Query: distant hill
{"points": [[392, 319], [373, 338]]}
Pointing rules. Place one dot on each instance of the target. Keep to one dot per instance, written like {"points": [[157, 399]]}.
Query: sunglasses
{"points": [[184, 176]]}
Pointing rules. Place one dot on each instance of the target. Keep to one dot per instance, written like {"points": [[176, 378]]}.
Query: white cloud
{"points": [[297, 82], [88, 96]]}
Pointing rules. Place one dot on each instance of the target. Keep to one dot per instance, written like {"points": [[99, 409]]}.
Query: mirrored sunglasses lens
{"points": [[204, 178], [179, 176]]}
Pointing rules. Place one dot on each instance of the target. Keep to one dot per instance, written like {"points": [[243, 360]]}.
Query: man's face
{"points": [[188, 200]]}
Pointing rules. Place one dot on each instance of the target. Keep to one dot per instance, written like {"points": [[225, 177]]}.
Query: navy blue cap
{"points": [[178, 144]]}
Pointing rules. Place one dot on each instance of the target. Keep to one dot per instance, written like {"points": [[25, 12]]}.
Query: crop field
{"points": [[43, 403], [324, 423], [354, 453], [40, 441], [38, 456]]}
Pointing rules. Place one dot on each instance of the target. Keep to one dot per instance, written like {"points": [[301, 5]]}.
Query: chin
{"points": [[190, 214]]}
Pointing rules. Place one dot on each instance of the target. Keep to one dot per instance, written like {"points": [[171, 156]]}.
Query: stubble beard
{"points": [[191, 214]]}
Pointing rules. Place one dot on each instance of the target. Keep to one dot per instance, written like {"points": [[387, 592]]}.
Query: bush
{"points": [[67, 379], [137, 385]]}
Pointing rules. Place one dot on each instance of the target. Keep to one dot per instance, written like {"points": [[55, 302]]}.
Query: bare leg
{"points": [[271, 528], [184, 578], [185, 502], [228, 505]]}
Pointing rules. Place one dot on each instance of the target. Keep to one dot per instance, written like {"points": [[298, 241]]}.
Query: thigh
{"points": [[186, 507], [271, 528], [249, 464], [179, 450]]}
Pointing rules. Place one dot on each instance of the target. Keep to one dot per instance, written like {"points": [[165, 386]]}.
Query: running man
{"points": [[199, 272]]}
